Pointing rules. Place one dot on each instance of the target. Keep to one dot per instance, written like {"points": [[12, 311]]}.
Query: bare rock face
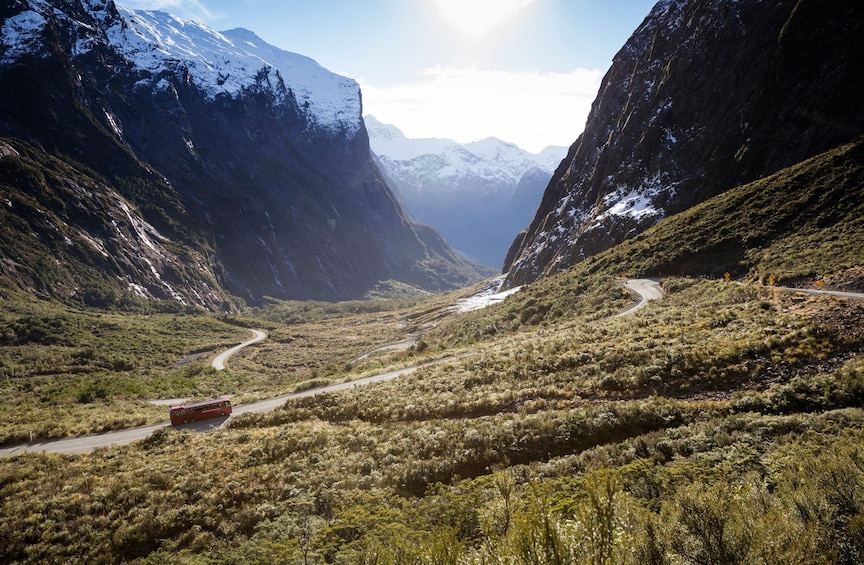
{"points": [[249, 167], [705, 95]]}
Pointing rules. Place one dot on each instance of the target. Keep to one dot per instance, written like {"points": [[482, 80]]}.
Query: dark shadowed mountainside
{"points": [[705, 96], [798, 226], [221, 166]]}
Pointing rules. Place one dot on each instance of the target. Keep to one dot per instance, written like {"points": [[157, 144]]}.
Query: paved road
{"points": [[647, 289], [273, 403], [89, 443], [837, 293], [220, 360], [407, 344]]}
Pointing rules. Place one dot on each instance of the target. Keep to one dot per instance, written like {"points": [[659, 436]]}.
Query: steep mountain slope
{"points": [[478, 195], [704, 96], [66, 232], [802, 224], [252, 160]]}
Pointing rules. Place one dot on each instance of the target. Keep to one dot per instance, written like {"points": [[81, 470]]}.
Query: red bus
{"points": [[186, 413]]}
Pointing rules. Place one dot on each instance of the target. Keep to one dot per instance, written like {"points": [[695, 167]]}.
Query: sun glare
{"points": [[476, 18]]}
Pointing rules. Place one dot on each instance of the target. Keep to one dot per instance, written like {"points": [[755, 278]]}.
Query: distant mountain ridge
{"points": [[478, 195], [245, 166], [703, 97]]}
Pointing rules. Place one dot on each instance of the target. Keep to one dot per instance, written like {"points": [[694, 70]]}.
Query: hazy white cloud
{"points": [[189, 9], [530, 109]]}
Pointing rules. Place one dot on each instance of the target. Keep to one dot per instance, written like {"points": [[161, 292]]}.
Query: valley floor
{"points": [[718, 425]]}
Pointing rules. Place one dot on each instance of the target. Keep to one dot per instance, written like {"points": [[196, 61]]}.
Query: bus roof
{"points": [[202, 403]]}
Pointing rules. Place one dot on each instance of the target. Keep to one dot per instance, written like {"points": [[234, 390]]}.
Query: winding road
{"points": [[219, 361], [817, 292], [646, 289], [82, 444]]}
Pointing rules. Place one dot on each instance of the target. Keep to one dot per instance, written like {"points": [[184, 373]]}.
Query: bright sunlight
{"points": [[476, 18]]}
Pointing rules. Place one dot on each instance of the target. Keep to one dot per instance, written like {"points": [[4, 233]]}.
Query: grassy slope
{"points": [[56, 243], [803, 222], [720, 425], [70, 371]]}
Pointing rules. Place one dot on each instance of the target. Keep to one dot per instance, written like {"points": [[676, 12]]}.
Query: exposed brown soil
{"points": [[841, 317]]}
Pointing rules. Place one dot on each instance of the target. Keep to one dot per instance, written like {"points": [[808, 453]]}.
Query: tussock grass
{"points": [[721, 400], [800, 224]]}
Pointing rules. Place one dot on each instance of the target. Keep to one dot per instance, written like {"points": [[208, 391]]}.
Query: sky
{"points": [[525, 71]]}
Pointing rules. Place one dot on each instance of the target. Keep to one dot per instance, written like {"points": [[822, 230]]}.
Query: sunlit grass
{"points": [[709, 389]]}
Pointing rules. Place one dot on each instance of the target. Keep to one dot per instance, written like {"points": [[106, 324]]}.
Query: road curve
{"points": [[219, 361], [84, 444], [407, 344], [647, 290], [273, 403]]}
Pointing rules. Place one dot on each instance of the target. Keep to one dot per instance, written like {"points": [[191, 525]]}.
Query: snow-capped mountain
{"points": [[489, 158], [478, 195], [226, 63], [704, 96], [239, 166]]}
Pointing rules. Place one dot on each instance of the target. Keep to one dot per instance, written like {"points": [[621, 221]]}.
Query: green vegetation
{"points": [[66, 371], [57, 243], [799, 224], [720, 425]]}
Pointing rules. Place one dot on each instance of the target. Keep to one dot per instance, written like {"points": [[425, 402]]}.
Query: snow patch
{"points": [[490, 159], [635, 205], [20, 35], [488, 295], [138, 290], [112, 121], [333, 100], [233, 62]]}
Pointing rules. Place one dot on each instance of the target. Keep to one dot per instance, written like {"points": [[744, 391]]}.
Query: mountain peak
{"points": [[387, 140], [229, 63], [495, 156], [382, 131], [478, 195]]}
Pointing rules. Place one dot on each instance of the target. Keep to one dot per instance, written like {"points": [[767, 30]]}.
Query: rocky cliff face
{"points": [[706, 95], [478, 195], [250, 164]]}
